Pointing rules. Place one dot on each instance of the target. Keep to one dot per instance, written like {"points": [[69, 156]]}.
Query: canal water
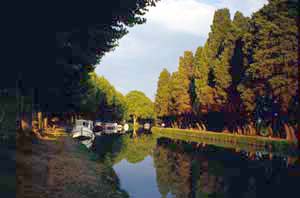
{"points": [[152, 167]]}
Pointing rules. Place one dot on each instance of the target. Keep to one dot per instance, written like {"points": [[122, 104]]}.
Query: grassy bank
{"points": [[57, 166], [248, 143]]}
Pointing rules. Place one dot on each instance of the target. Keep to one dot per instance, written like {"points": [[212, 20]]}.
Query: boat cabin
{"points": [[85, 123], [110, 128]]}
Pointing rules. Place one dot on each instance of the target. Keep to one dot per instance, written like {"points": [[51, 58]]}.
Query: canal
{"points": [[156, 167]]}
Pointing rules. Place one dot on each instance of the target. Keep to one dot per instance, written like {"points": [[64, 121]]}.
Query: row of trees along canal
{"points": [[244, 79], [68, 87]]}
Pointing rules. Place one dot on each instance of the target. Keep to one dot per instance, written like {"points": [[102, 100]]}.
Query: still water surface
{"points": [[151, 167]]}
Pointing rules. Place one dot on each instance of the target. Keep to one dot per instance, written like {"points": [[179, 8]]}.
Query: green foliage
{"points": [[180, 100], [204, 93], [103, 99], [216, 38], [271, 49], [180, 84], [139, 105], [163, 94]]}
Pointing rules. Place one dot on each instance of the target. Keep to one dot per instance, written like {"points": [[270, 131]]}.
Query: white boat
{"points": [[88, 143], [120, 127], [147, 126], [98, 128], [83, 131], [126, 127], [110, 128]]}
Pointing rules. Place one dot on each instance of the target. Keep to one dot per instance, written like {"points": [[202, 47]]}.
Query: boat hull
{"points": [[83, 135]]}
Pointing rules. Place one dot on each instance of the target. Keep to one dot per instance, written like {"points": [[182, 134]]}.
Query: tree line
{"points": [[244, 79], [83, 34]]}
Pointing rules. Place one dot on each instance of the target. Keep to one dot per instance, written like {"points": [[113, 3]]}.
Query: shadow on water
{"points": [[178, 169]]}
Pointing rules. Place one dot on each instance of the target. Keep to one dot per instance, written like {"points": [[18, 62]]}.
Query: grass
{"points": [[227, 140]]}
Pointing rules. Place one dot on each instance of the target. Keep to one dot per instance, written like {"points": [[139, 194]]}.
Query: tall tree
{"points": [[162, 94], [180, 85], [204, 92], [216, 38], [230, 70], [180, 102], [219, 54], [271, 49], [185, 76]]}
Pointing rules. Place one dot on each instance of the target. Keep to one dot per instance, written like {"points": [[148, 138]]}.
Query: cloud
{"points": [[189, 16], [195, 16], [247, 7]]}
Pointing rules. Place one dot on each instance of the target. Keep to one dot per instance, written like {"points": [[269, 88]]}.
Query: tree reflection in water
{"points": [[184, 171], [193, 170]]}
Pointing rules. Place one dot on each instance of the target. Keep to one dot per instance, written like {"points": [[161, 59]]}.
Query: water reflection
{"points": [[216, 172], [151, 167], [138, 179]]}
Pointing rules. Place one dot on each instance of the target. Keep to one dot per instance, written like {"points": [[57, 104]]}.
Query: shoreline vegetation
{"points": [[228, 140]]}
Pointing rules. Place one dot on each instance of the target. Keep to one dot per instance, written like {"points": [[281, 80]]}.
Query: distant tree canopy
{"points": [[102, 100], [245, 66], [139, 106]]}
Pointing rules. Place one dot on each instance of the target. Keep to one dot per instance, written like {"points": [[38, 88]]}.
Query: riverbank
{"points": [[57, 166], [228, 140]]}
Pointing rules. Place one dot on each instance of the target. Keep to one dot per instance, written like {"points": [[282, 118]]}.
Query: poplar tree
{"points": [[272, 55], [205, 94], [162, 94], [219, 54]]}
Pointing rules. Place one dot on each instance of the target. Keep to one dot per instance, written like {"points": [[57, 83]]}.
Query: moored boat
{"points": [[83, 131], [126, 127], [110, 128], [119, 127], [147, 126], [98, 128]]}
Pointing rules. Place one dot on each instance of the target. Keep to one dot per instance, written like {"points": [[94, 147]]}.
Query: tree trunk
{"points": [[292, 132], [46, 121], [19, 106], [270, 130], [199, 127], [26, 121], [288, 133], [134, 126], [40, 120]]}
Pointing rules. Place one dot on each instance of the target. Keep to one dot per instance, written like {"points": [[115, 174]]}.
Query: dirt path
{"points": [[58, 167]]}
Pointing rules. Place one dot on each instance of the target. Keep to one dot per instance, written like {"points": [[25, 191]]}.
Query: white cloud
{"points": [[195, 16], [189, 16], [247, 7]]}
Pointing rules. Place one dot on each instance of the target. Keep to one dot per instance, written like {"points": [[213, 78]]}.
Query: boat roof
{"points": [[80, 122]]}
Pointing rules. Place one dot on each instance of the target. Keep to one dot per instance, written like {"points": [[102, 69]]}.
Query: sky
{"points": [[172, 27]]}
